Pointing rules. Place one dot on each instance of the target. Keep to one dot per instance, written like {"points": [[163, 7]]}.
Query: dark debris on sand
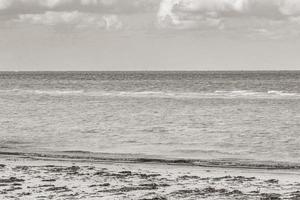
{"points": [[11, 180], [90, 182]]}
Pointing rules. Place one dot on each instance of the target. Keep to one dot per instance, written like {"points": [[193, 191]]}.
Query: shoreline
{"points": [[86, 156], [33, 178]]}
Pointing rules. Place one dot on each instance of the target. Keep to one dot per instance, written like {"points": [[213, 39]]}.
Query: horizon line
{"points": [[231, 70]]}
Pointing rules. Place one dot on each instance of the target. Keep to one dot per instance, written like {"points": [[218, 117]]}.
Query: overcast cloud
{"points": [[151, 21], [167, 14]]}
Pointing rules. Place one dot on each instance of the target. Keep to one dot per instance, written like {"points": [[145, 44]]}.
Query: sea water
{"points": [[190, 115]]}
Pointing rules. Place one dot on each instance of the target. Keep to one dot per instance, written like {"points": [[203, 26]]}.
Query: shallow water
{"points": [[201, 115]]}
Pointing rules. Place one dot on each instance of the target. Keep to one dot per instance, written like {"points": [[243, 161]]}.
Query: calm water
{"points": [[203, 115]]}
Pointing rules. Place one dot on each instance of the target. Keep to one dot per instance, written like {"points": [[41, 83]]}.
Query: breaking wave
{"points": [[86, 156], [161, 94], [43, 92]]}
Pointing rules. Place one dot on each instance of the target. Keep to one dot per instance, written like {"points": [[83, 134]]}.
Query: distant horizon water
{"points": [[192, 70]]}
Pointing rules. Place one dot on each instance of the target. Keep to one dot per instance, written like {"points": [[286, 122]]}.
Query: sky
{"points": [[53, 35]]}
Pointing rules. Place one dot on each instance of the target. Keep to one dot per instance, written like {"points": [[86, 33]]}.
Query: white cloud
{"points": [[290, 7], [196, 13], [89, 2], [50, 3], [5, 4], [112, 22], [258, 15], [95, 5], [74, 18]]}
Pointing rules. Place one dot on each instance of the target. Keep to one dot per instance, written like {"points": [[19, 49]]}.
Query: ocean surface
{"points": [[252, 116]]}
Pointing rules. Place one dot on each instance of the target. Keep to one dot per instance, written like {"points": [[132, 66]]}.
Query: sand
{"points": [[30, 178]]}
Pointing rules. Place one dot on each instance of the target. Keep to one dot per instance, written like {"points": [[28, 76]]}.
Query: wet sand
{"points": [[29, 178]]}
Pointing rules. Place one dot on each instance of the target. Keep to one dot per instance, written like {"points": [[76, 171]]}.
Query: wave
{"points": [[59, 92], [271, 93], [202, 151], [162, 94], [274, 92], [43, 92], [215, 94], [86, 156]]}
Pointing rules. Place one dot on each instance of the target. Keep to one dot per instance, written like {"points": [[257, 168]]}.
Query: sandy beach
{"points": [[31, 178]]}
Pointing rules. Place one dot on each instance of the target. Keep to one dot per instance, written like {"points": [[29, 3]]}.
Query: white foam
{"points": [[274, 92], [161, 94], [58, 92], [41, 92]]}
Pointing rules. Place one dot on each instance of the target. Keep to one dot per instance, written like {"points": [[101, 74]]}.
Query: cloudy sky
{"points": [[149, 34]]}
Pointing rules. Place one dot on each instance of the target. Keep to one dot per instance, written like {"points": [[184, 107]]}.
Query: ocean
{"points": [[237, 116]]}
